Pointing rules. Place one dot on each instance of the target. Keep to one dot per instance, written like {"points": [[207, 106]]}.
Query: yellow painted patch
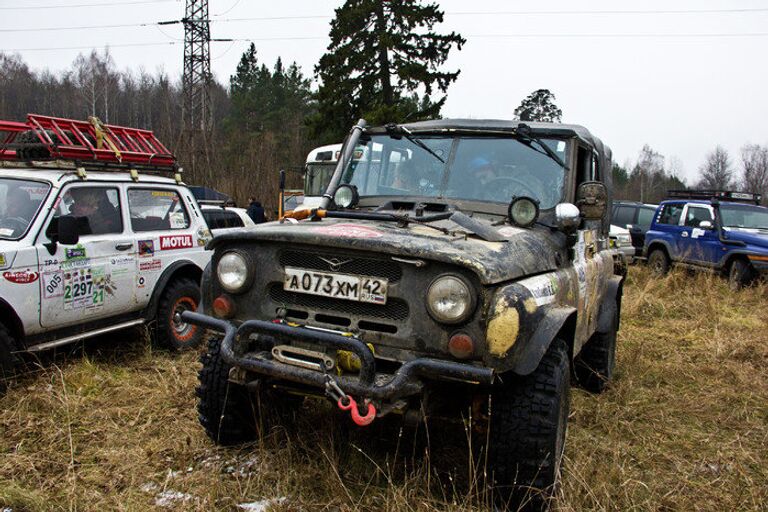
{"points": [[503, 329], [530, 305]]}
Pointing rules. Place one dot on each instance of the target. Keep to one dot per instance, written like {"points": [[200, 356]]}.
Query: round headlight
{"points": [[232, 272], [449, 299], [346, 196], [523, 211]]}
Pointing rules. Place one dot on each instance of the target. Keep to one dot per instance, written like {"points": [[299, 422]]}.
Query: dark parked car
{"points": [[636, 217]]}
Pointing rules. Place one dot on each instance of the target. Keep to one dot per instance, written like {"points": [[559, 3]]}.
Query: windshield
{"points": [[462, 167], [744, 216], [19, 202], [317, 177]]}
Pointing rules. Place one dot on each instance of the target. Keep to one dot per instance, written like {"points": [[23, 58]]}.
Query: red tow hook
{"points": [[335, 392], [351, 406]]}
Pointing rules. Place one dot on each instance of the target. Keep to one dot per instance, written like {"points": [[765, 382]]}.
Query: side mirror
{"points": [[592, 200], [70, 228], [706, 224], [567, 217]]}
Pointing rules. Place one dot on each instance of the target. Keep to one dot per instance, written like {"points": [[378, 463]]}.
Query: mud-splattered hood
{"points": [[527, 251]]}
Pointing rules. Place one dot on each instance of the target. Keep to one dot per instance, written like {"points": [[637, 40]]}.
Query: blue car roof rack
{"points": [[721, 195]]}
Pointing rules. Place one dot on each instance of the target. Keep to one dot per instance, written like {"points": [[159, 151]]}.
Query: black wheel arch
{"points": [[658, 244], [611, 304], [178, 269], [557, 322], [11, 321]]}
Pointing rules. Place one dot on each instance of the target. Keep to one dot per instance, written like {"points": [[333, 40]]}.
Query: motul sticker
{"points": [[348, 230], [21, 277], [175, 242], [2, 259], [150, 266]]}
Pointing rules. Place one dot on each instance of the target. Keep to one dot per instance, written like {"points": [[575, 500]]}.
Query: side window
{"points": [[645, 217], [695, 215], [220, 219], [670, 214], [624, 215], [156, 210], [233, 220], [99, 206]]}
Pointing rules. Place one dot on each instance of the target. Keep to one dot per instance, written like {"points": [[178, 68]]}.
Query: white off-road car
{"points": [[92, 245]]}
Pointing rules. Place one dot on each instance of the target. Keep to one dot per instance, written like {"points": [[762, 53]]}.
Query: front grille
{"points": [[394, 309], [353, 265]]}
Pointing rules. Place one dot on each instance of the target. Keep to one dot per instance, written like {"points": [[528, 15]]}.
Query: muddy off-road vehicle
{"points": [[452, 264]]}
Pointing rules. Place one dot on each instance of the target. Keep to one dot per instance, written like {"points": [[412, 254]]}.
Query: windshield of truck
{"points": [[19, 202], [317, 177], [486, 169], [744, 216]]}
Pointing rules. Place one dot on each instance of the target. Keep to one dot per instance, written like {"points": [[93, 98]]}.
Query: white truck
{"points": [[92, 237]]}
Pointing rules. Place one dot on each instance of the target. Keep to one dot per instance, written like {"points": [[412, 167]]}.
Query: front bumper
{"points": [[408, 380]]}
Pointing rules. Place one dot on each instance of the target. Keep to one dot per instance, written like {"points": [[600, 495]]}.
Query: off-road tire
{"points": [[658, 262], [529, 416], [740, 274], [9, 361], [180, 295], [230, 413], [226, 410], [595, 363]]}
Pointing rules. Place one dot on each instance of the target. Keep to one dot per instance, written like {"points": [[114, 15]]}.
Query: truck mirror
{"points": [[70, 228], [567, 217], [705, 224], [592, 200]]}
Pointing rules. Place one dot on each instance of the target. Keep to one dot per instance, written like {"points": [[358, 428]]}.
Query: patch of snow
{"points": [[261, 505], [149, 487], [168, 499]]}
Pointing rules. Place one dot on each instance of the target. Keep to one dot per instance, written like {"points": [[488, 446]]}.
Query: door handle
{"points": [[684, 234], [123, 247]]}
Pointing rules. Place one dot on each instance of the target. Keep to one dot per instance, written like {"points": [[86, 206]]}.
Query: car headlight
{"points": [[449, 299], [232, 272], [624, 239]]}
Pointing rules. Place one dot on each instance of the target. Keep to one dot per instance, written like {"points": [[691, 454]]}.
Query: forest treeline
{"points": [[385, 63]]}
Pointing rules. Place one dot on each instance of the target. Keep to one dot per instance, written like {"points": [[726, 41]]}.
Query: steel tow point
{"points": [[347, 403]]}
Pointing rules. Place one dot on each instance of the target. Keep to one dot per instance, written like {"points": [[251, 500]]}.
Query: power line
{"points": [[476, 36], [72, 6], [319, 16]]}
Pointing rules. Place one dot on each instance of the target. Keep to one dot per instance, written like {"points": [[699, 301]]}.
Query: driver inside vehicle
{"points": [[19, 209], [480, 173]]}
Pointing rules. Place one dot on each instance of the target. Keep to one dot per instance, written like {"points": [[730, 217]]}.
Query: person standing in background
{"points": [[256, 211]]}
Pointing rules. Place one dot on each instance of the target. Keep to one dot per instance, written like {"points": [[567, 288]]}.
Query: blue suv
{"points": [[718, 231]]}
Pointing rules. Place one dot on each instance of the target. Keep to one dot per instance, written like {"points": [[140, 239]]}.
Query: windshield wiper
{"points": [[523, 131], [396, 131]]}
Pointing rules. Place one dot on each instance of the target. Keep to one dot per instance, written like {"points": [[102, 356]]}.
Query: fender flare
{"points": [[182, 266], [660, 242], [555, 318], [611, 304]]}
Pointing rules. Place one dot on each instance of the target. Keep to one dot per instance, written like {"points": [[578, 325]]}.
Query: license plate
{"points": [[335, 285]]}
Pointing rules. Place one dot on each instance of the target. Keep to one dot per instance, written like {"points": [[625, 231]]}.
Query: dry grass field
{"points": [[112, 426]]}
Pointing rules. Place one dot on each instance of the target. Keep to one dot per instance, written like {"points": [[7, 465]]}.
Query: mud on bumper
{"points": [[408, 380]]}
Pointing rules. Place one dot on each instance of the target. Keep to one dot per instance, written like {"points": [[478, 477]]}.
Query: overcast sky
{"points": [[632, 78]]}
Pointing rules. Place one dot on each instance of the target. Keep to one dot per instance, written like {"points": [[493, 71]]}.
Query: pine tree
{"points": [[383, 65], [539, 106]]}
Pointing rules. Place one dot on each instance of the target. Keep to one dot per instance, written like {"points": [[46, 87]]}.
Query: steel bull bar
{"points": [[406, 381]]}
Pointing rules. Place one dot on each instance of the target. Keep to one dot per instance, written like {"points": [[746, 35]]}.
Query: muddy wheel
{"points": [[9, 361], [180, 295], [594, 365], [529, 416], [739, 274], [658, 262], [230, 413], [225, 410]]}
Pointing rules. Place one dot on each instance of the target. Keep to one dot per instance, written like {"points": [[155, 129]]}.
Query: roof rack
{"points": [[88, 144], [722, 195]]}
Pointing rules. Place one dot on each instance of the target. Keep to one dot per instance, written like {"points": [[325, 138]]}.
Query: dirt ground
{"points": [[112, 426]]}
